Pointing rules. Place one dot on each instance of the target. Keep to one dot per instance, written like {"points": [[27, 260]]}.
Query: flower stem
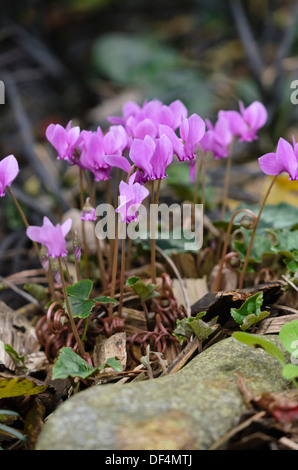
{"points": [[227, 181], [114, 269], [37, 250], [71, 319], [243, 272], [101, 264], [122, 276], [152, 229], [85, 250]]}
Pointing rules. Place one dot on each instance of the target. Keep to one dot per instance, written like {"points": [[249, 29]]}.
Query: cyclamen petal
{"points": [[64, 140], [131, 197], [141, 152], [51, 236], [9, 170], [285, 159]]}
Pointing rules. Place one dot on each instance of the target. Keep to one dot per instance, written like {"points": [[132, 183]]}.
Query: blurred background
{"points": [[81, 60]]}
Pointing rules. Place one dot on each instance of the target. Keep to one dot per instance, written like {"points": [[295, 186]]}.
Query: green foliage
{"points": [[256, 341], [194, 325], [144, 291], [19, 361], [20, 386], [277, 217], [70, 364], [288, 336], [250, 311], [37, 291], [262, 245], [154, 67], [78, 296]]}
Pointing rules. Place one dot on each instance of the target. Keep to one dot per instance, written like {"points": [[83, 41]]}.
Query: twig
{"points": [[19, 291], [290, 282], [236, 429], [285, 441], [184, 356]]}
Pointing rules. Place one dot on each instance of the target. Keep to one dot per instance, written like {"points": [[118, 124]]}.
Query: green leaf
{"points": [[144, 291], [37, 291], [286, 240], [80, 308], [256, 341], [19, 361], [104, 300], [70, 364], [78, 297], [82, 289], [274, 216], [17, 387], [193, 325], [290, 371], [289, 336], [261, 246], [111, 362], [250, 311]]}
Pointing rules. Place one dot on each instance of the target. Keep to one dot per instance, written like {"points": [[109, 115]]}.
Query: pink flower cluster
{"points": [[143, 143]]}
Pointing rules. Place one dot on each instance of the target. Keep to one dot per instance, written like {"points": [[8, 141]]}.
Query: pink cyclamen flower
{"points": [[51, 236], [247, 123], [192, 130], [95, 146], [64, 140], [217, 138], [9, 170], [141, 121], [152, 156], [88, 212], [131, 197], [285, 159]]}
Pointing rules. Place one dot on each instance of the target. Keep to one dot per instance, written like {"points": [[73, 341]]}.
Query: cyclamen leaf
{"points": [[256, 341], [289, 336], [82, 289], [104, 300], [111, 362], [250, 311], [193, 325], [144, 291], [80, 308], [290, 371], [70, 364]]}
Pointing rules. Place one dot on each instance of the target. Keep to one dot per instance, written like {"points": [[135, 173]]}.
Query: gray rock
{"points": [[188, 410]]}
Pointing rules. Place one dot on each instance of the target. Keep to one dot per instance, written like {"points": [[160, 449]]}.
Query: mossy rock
{"points": [[188, 410]]}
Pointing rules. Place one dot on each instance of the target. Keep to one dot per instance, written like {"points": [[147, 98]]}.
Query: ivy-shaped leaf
{"points": [[78, 296], [144, 291], [250, 311], [194, 325], [70, 364], [289, 336], [290, 371], [261, 246]]}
